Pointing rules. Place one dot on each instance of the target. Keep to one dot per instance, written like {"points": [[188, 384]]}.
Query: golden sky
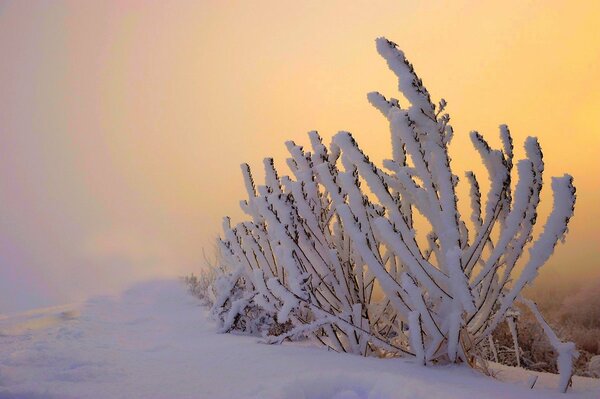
{"points": [[123, 124]]}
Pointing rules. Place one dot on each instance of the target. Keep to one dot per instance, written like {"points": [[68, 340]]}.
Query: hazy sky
{"points": [[123, 124]]}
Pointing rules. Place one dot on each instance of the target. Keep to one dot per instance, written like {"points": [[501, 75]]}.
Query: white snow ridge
{"points": [[155, 342]]}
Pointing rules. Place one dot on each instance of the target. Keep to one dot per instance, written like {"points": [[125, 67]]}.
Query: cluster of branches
{"points": [[323, 256]]}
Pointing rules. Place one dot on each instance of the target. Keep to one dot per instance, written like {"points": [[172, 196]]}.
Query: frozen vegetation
{"points": [[156, 342], [331, 253]]}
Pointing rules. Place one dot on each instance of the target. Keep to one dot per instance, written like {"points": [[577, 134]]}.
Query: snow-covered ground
{"points": [[154, 341]]}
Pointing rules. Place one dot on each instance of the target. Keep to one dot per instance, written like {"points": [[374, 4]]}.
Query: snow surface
{"points": [[155, 341]]}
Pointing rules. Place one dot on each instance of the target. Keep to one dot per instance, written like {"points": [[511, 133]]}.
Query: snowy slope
{"points": [[154, 341]]}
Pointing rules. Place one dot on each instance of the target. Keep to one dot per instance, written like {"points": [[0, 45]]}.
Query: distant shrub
{"points": [[201, 285]]}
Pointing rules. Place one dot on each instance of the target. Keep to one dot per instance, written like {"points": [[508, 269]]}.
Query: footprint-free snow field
{"points": [[155, 341]]}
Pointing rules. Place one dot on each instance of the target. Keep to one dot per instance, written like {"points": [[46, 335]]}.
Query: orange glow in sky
{"points": [[123, 124]]}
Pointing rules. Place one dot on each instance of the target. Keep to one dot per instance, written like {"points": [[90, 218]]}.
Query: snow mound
{"points": [[154, 342]]}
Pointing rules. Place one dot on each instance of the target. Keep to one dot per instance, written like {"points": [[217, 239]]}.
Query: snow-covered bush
{"points": [[332, 251], [201, 286]]}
